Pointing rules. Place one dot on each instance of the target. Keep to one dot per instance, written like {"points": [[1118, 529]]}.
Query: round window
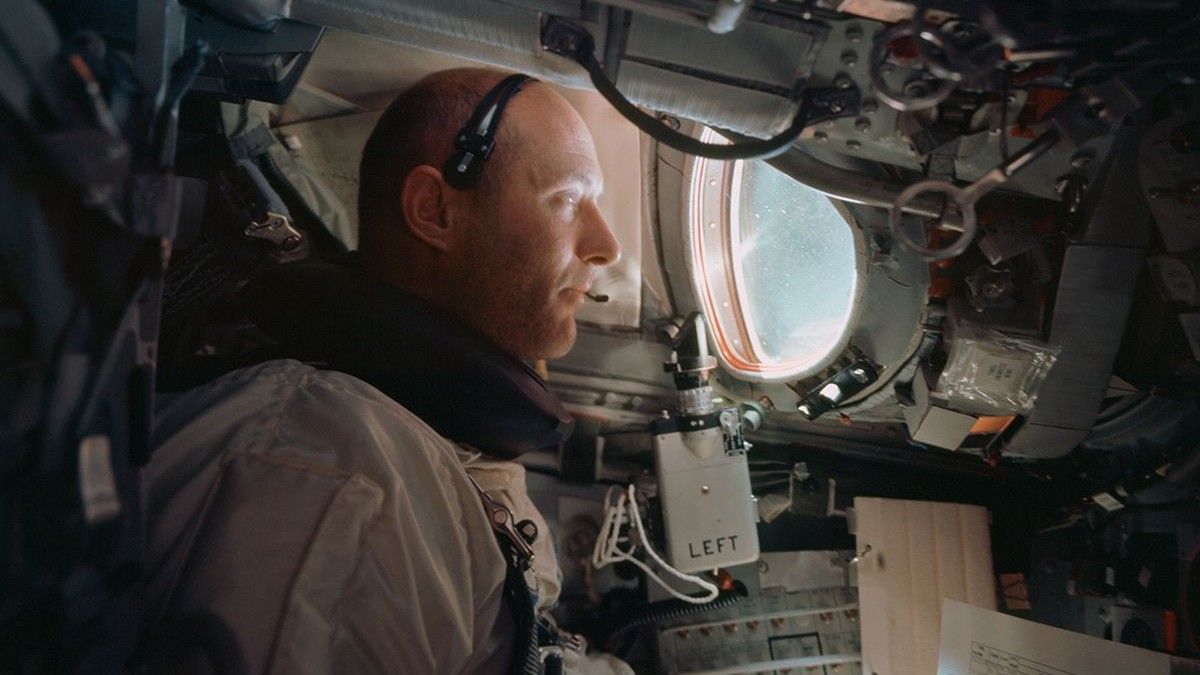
{"points": [[774, 266]]}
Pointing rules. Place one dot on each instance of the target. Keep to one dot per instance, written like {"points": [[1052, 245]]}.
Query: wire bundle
{"points": [[623, 509]]}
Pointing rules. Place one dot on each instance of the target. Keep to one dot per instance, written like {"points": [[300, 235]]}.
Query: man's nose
{"points": [[597, 244]]}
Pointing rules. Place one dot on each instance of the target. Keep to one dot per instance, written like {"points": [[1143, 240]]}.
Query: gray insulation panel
{"points": [[1094, 298], [766, 59]]}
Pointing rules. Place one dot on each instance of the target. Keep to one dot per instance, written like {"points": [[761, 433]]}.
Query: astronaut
{"points": [[341, 519]]}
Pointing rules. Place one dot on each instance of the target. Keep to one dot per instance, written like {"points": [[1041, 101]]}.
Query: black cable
{"points": [[667, 610], [1004, 93]]}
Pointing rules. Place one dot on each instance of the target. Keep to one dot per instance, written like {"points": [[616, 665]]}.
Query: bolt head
{"points": [[916, 88], [862, 124]]}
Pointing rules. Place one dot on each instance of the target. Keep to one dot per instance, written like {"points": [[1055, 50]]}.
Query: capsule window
{"points": [[774, 265]]}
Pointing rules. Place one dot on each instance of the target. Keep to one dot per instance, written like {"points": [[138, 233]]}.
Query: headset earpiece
{"points": [[464, 169], [475, 141]]}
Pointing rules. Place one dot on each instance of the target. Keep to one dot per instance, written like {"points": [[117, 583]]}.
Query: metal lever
{"points": [[965, 198]]}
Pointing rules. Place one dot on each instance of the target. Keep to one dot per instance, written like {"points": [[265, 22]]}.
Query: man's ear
{"points": [[423, 199]]}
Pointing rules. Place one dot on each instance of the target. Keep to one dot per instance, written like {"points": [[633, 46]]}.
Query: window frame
{"points": [[712, 195]]}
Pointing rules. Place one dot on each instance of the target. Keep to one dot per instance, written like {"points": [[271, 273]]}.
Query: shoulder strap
{"points": [[522, 600]]}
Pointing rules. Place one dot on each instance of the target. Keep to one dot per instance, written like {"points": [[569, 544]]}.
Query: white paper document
{"points": [[978, 641]]}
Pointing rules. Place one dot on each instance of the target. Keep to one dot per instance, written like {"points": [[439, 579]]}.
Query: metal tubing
{"points": [[850, 186], [727, 15]]}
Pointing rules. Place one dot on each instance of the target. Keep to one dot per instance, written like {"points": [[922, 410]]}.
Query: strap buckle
{"points": [[277, 229], [504, 525]]}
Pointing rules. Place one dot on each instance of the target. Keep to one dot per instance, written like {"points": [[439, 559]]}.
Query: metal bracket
{"points": [[277, 229], [836, 390], [731, 426], [832, 103]]}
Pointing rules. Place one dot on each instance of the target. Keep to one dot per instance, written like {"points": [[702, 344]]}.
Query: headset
{"points": [[477, 139]]}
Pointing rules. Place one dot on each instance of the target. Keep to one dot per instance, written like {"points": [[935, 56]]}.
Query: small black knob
{"points": [[528, 531]]}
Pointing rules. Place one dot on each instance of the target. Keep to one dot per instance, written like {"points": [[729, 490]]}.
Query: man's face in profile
{"points": [[537, 233]]}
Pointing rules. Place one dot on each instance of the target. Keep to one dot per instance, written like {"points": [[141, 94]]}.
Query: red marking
{"points": [[1034, 72], [904, 48], [1041, 102]]}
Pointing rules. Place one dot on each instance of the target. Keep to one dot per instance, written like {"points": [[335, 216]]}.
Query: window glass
{"points": [[796, 254], [775, 268]]}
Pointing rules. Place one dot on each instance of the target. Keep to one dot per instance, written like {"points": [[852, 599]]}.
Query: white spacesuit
{"points": [[303, 522]]}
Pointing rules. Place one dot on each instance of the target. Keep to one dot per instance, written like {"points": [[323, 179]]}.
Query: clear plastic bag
{"points": [[989, 372]]}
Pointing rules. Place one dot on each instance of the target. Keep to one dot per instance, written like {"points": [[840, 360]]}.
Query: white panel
{"points": [[978, 641], [920, 554]]}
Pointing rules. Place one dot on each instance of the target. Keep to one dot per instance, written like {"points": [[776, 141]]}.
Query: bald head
{"points": [[510, 257], [418, 128]]}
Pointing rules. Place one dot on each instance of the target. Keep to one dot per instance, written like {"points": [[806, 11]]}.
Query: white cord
{"points": [[607, 550]]}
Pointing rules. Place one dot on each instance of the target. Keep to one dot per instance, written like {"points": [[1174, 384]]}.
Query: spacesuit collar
{"points": [[453, 378]]}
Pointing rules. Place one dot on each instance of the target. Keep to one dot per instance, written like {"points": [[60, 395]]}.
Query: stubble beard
{"points": [[515, 302]]}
